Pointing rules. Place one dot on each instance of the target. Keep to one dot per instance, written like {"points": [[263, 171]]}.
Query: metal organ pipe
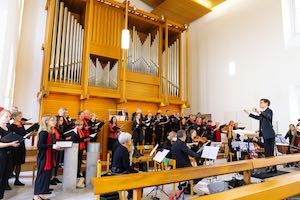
{"points": [[66, 49]]}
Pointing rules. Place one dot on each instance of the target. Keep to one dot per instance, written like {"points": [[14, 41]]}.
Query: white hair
{"points": [[61, 111], [124, 137]]}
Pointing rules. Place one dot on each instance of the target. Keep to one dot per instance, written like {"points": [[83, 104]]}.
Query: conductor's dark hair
{"points": [[181, 133], [266, 101], [80, 112]]}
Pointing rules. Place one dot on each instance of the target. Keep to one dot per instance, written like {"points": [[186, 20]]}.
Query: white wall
{"points": [[29, 62], [250, 33], [10, 23]]}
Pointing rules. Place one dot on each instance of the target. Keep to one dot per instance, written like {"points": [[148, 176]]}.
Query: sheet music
{"points": [[93, 135], [210, 152], [160, 155], [64, 144], [72, 130], [153, 150], [216, 144]]}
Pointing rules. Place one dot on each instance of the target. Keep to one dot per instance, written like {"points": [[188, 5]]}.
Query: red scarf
{"points": [[48, 155], [57, 135], [81, 135], [218, 135], [85, 124]]}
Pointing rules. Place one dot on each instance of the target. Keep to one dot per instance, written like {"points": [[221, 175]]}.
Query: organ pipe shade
{"points": [[125, 38]]}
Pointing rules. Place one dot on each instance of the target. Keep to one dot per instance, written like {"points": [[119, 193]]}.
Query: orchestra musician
{"points": [[181, 152], [172, 137], [124, 113], [265, 118], [121, 158]]}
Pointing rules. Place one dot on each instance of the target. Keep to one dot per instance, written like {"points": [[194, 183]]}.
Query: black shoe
{"points": [[18, 183], [49, 192], [53, 182], [7, 187], [57, 180]]}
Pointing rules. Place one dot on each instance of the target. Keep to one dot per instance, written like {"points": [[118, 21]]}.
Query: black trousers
{"points": [[110, 143], [158, 135], [80, 155], [138, 138], [148, 135], [41, 185], [269, 145], [3, 170]]}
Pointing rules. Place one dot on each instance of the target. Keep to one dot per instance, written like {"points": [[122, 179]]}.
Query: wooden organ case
{"points": [[84, 66]]}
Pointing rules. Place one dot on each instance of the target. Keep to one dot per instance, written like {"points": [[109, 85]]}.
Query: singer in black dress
{"points": [[5, 149], [46, 159], [19, 153]]}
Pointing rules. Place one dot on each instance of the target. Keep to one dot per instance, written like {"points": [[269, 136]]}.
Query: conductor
{"points": [[265, 117]]}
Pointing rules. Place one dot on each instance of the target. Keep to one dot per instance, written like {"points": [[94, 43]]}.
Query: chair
{"points": [[122, 194]]}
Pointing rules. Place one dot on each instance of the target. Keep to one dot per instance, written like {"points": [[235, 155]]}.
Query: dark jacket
{"points": [[265, 123], [181, 153], [121, 160]]}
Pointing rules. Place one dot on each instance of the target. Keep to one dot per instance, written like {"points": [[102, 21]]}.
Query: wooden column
{"points": [[187, 67], [166, 61], [86, 47], [137, 194], [247, 177], [160, 61], [125, 57]]}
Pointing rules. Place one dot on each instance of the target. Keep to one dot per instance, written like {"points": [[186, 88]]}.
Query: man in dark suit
{"points": [[266, 130], [124, 113], [181, 152]]}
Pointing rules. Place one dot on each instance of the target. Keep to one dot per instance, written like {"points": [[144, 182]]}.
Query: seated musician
{"points": [[121, 158], [169, 142], [124, 113], [181, 152], [291, 135], [228, 129]]}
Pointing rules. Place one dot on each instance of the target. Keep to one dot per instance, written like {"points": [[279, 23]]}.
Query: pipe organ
{"points": [[67, 46], [103, 74], [142, 56], [84, 66], [173, 69]]}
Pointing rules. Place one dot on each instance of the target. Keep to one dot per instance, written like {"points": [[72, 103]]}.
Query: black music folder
{"points": [[12, 136], [34, 127]]}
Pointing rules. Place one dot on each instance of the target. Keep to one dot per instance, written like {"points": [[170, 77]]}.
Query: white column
{"points": [[93, 152], [70, 168]]}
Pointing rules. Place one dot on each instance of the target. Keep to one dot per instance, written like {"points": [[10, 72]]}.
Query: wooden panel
{"points": [[183, 11], [107, 23], [141, 78], [55, 101], [139, 90], [133, 181], [266, 162], [131, 107], [153, 3], [280, 187]]}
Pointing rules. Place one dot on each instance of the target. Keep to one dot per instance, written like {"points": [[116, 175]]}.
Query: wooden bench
{"points": [[142, 180], [279, 187], [139, 181]]}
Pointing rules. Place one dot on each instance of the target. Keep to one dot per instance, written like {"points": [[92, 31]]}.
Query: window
{"points": [[291, 22]]}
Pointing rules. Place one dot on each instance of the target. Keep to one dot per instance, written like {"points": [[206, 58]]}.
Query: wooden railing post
{"points": [[247, 176], [137, 194]]}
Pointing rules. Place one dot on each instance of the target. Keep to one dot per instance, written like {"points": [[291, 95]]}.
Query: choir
{"points": [[182, 136]]}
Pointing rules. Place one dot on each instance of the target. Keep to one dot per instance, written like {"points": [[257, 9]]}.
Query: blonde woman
{"points": [[5, 152], [46, 157]]}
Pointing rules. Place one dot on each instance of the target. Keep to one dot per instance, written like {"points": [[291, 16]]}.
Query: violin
{"points": [[200, 139]]}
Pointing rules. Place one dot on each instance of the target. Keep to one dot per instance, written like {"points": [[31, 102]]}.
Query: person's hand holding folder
{"points": [[14, 143]]}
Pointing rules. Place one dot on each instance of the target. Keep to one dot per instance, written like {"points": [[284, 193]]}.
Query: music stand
{"points": [[159, 157]]}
